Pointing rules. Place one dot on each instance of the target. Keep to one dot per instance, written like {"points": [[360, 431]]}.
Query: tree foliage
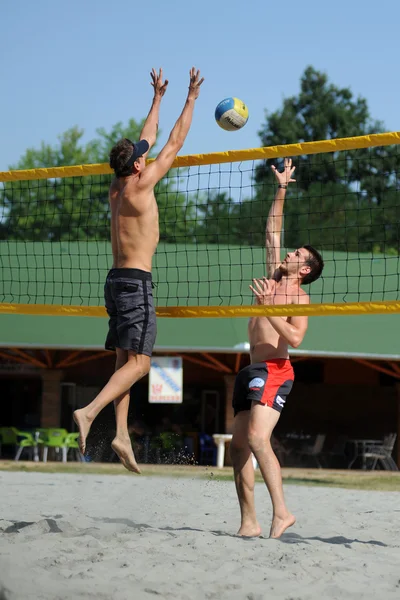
{"points": [[76, 208], [342, 200]]}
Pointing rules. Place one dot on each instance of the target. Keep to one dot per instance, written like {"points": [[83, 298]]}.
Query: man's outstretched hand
{"points": [[285, 177], [157, 83], [195, 83]]}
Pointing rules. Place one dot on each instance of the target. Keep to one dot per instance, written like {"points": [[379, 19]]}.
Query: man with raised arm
{"points": [[262, 387], [134, 238]]}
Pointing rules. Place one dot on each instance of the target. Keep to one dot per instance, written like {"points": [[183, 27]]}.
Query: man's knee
{"points": [[140, 365], [145, 366], [258, 439]]}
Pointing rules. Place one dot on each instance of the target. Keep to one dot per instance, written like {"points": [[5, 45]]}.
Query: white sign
{"points": [[166, 380]]}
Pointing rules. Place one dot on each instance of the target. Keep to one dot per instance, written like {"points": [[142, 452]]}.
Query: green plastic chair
{"points": [[8, 437], [30, 441], [71, 443], [55, 438]]}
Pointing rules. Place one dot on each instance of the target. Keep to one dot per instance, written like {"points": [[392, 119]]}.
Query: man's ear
{"points": [[305, 270]]}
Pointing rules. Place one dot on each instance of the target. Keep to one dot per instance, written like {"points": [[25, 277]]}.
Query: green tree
{"points": [[217, 219], [76, 208], [342, 200]]}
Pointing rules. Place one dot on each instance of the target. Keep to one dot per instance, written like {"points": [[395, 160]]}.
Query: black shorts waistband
{"points": [[130, 274]]}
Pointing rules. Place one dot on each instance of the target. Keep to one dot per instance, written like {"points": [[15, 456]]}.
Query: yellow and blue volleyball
{"points": [[231, 114]]}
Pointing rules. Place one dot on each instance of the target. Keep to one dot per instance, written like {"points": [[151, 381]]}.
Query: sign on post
{"points": [[166, 380]]}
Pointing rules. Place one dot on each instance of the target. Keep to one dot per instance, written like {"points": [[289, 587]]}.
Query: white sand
{"points": [[129, 537]]}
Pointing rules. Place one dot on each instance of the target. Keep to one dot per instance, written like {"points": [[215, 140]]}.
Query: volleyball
{"points": [[231, 114]]}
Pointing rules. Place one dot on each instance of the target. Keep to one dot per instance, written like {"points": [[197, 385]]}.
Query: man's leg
{"points": [[244, 475], [135, 367], [261, 424], [121, 444]]}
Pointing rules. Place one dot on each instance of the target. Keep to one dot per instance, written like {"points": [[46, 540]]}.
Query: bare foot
{"points": [[279, 525], [249, 530], [125, 454], [84, 427]]}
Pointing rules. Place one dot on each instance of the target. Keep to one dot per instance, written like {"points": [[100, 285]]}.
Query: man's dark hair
{"points": [[119, 156], [316, 263]]}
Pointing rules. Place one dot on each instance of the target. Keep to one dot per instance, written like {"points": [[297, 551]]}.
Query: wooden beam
{"points": [[48, 358], [63, 362], [395, 367], [12, 357], [28, 358], [372, 365], [198, 361], [217, 362], [237, 362], [81, 359]]}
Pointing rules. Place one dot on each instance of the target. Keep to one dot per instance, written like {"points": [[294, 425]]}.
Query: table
{"points": [[220, 440]]}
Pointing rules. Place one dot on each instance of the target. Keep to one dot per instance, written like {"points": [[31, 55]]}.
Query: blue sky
{"points": [[85, 63]]}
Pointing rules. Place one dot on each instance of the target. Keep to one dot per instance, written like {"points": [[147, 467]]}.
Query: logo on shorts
{"points": [[256, 383], [280, 401]]}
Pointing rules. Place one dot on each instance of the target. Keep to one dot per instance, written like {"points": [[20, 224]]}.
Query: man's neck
{"points": [[289, 282]]}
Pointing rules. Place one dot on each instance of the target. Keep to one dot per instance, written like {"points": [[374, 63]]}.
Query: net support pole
{"points": [[398, 425]]}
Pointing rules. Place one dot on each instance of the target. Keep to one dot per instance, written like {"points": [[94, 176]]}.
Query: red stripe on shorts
{"points": [[279, 371]]}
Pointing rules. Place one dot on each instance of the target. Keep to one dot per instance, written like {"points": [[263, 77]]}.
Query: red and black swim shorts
{"points": [[268, 382]]}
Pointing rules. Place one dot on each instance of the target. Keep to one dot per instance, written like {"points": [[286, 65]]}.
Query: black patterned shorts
{"points": [[128, 295]]}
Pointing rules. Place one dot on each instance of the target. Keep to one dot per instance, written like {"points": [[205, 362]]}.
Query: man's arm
{"points": [[293, 330], [274, 222], [157, 169], [150, 127]]}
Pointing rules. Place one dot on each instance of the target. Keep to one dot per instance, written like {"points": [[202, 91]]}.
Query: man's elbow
{"points": [[175, 144], [296, 341], [271, 239]]}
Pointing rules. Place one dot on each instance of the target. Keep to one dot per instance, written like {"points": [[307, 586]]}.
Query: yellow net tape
{"points": [[188, 312], [321, 147]]}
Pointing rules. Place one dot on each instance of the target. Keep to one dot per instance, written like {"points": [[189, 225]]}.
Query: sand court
{"points": [[102, 536]]}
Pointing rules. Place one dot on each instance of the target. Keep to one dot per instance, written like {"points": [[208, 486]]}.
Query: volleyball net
{"points": [[54, 231]]}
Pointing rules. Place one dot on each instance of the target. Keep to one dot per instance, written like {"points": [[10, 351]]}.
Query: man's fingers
{"points": [[271, 285], [201, 81], [260, 285], [254, 291]]}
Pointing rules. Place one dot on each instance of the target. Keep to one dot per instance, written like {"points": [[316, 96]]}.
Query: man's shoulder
{"points": [[301, 297]]}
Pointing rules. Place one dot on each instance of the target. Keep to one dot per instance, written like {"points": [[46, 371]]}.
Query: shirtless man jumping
{"points": [[134, 238], [262, 387]]}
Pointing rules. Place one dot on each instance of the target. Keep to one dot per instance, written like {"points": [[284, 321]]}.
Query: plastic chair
{"points": [[28, 440], [8, 437], [382, 452], [55, 438], [71, 443]]}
